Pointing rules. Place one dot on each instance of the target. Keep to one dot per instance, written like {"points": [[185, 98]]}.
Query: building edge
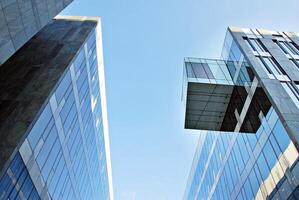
{"points": [[101, 72]]}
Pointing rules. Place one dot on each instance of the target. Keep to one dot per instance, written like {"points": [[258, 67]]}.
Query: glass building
{"points": [[53, 118], [246, 106]]}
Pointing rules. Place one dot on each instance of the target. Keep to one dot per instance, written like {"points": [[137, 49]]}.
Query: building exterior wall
{"points": [[63, 153], [279, 81], [262, 165], [246, 166], [216, 99], [21, 19]]}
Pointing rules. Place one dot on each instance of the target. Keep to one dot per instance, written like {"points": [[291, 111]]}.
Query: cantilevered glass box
{"points": [[217, 101]]}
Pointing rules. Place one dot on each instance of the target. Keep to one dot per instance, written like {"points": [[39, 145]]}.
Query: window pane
{"points": [[27, 187], [292, 93], [257, 45], [283, 47], [264, 66], [272, 66], [199, 70], [63, 86], [207, 70], [296, 63], [248, 190], [250, 44], [238, 156], [217, 72], [281, 136], [271, 157], [293, 47], [190, 73], [254, 182], [39, 126], [263, 166]]}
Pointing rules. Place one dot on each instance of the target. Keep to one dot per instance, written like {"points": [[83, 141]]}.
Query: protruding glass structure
{"points": [[250, 147], [54, 130], [218, 101]]}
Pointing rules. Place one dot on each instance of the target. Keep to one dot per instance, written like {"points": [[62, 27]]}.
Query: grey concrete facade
{"points": [[281, 101], [22, 19]]}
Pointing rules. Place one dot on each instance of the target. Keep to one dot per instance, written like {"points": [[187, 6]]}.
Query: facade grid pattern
{"points": [[262, 165], [63, 156]]}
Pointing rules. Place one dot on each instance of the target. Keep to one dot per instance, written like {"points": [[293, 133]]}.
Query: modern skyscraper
{"points": [[248, 103], [21, 19], [53, 119]]}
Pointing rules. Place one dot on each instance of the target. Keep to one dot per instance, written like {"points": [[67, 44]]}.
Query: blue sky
{"points": [[144, 46]]}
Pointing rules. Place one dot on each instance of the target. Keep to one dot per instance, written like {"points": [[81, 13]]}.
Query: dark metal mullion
{"points": [[265, 64], [290, 47], [191, 69], [295, 90], [293, 46], [277, 66], [252, 46], [260, 44], [281, 47]]}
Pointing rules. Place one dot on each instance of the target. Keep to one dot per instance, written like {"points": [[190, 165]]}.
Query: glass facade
{"points": [[246, 166], [16, 182], [217, 89], [64, 153], [240, 165], [208, 70]]}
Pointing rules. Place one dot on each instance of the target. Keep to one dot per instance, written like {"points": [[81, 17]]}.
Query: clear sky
{"points": [[145, 42]]}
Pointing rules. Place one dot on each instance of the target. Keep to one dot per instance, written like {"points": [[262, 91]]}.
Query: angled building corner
{"points": [[248, 103], [53, 125], [21, 20]]}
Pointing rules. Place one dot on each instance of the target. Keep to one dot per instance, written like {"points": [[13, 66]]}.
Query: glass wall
{"points": [[247, 166], [63, 156], [239, 69], [16, 182], [232, 165], [288, 47], [208, 70]]}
